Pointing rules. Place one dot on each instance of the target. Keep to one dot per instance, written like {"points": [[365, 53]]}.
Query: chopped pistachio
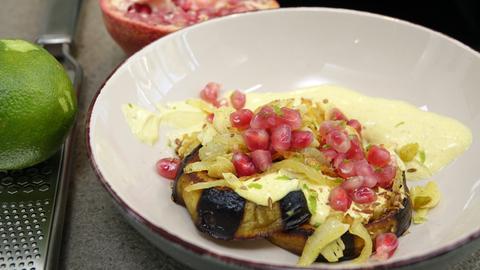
{"points": [[422, 156], [282, 177], [255, 185]]}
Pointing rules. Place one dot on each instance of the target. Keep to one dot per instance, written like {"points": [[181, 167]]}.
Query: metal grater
{"points": [[27, 197], [33, 200]]}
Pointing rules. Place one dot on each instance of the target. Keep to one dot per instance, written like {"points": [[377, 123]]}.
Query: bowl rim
{"points": [[199, 251]]}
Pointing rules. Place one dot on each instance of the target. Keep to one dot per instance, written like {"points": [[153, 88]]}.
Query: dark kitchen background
{"points": [[459, 19]]}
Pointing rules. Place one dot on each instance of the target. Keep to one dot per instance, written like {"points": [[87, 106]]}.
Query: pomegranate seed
{"points": [[265, 118], [338, 140], [363, 195], [356, 125], [211, 116], [346, 169], [385, 245], [243, 164], [256, 139], [329, 154], [378, 156], [241, 118], [386, 175], [338, 160], [272, 151], [183, 4], [238, 99], [140, 8], [291, 117], [352, 183], [355, 152], [365, 170], [339, 199], [370, 180], [328, 126], [262, 159], [168, 167], [281, 137], [336, 114], [362, 168], [210, 92], [301, 139]]}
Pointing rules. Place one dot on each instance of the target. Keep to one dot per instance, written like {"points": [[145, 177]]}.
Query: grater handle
{"points": [[61, 20]]}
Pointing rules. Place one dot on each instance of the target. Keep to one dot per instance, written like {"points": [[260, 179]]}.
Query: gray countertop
{"points": [[95, 234]]}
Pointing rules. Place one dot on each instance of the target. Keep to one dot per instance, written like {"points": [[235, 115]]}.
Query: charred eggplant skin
{"points": [[221, 213], [294, 210], [397, 221], [176, 192]]}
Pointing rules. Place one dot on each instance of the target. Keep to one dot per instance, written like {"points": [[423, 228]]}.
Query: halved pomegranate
{"points": [[135, 23]]}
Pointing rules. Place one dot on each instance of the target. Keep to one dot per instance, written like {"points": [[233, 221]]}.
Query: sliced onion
{"points": [[359, 230], [331, 230]]}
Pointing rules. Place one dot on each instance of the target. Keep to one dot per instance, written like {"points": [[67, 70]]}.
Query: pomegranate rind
{"points": [[132, 35]]}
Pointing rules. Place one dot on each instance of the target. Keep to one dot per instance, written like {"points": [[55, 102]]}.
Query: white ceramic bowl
{"points": [[281, 50]]}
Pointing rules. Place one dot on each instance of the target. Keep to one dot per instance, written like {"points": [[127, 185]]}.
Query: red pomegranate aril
{"points": [[336, 114], [386, 175], [378, 156], [346, 169], [329, 154], [362, 168], [338, 140], [356, 125], [210, 92], [328, 126], [211, 116], [243, 164], [339, 199], [262, 159], [352, 183], [291, 117], [363, 195], [301, 139], [168, 167], [183, 4], [365, 170], [141, 8], [370, 180], [355, 152], [238, 99], [272, 151], [265, 118], [338, 160], [281, 137], [385, 246], [241, 119], [256, 139]]}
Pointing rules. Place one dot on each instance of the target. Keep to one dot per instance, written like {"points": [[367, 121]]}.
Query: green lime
{"points": [[37, 104]]}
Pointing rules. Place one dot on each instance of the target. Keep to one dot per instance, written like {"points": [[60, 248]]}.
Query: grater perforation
{"points": [[25, 214]]}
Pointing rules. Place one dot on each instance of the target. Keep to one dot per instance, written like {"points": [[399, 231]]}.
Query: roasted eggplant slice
{"points": [[223, 214], [396, 220]]}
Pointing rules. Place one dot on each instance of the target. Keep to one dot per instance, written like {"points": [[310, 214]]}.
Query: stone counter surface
{"points": [[95, 234]]}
